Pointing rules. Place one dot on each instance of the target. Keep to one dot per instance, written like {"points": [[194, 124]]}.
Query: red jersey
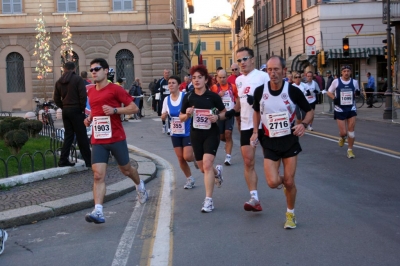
{"points": [[112, 95], [182, 86], [231, 79]]}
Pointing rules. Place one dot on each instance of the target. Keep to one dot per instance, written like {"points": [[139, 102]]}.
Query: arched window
{"points": [[290, 51], [75, 59], [125, 68], [15, 73]]}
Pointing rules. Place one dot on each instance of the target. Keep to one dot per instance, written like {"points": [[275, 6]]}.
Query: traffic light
{"points": [[346, 47], [385, 48]]}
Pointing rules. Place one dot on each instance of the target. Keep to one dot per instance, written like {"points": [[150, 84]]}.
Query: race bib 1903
{"points": [[102, 127]]}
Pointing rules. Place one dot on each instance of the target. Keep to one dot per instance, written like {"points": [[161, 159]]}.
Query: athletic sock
{"points": [[289, 211], [254, 194], [99, 207]]}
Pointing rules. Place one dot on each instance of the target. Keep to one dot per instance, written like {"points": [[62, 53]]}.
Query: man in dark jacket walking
{"points": [[328, 84], [70, 95]]}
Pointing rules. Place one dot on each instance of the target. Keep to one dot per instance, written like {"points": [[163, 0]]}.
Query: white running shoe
{"points": [[164, 129], [227, 160], [3, 239], [310, 128], [208, 205], [141, 192], [189, 183], [218, 178]]}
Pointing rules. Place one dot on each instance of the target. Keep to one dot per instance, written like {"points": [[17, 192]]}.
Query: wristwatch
{"points": [[115, 110], [305, 125]]}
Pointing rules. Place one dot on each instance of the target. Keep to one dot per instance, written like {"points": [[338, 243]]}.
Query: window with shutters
{"points": [[218, 63], [287, 10], [264, 17], [15, 73], [205, 62], [203, 46], [217, 45], [67, 6], [230, 45], [122, 5], [12, 6], [191, 46], [259, 20], [269, 13], [278, 11], [298, 6]]}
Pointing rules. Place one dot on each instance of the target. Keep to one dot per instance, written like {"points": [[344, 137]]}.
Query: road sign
{"points": [[311, 50], [357, 27], [310, 40]]}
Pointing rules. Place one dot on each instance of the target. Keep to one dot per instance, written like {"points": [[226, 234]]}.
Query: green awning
{"points": [[355, 52]]}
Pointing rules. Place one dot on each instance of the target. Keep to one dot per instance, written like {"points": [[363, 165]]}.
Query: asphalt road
{"points": [[347, 211]]}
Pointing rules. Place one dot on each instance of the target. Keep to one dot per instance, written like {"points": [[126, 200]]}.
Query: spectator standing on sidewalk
{"points": [[342, 91], [70, 95], [162, 89], [228, 93], [137, 93], [152, 87], [109, 135], [370, 89], [328, 84]]}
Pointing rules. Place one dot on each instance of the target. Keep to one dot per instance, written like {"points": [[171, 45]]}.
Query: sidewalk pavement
{"points": [[43, 196]]}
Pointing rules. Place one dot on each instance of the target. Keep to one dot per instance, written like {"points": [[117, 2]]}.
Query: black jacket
{"points": [[329, 82], [70, 91]]}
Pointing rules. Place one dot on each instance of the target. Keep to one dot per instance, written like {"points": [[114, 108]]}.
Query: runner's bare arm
{"points": [[256, 123]]}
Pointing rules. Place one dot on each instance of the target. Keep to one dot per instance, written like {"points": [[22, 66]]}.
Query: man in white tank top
{"points": [[274, 105], [250, 79]]}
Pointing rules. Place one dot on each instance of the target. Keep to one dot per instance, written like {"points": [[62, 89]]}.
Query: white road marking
{"points": [[358, 146], [156, 119], [161, 249], [126, 241]]}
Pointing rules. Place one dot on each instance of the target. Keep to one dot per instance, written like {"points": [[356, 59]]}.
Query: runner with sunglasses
{"points": [[235, 73], [342, 92], [108, 135], [246, 85], [300, 114]]}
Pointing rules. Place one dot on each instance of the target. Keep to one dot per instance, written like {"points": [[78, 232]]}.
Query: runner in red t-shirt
{"points": [[108, 135]]}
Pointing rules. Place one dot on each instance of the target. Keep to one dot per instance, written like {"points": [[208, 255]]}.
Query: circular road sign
{"points": [[310, 40]]}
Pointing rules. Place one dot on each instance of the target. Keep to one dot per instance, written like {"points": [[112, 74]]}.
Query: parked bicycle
{"points": [[376, 98]]}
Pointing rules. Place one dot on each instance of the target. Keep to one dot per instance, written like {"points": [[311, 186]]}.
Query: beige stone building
{"points": [[138, 38], [216, 43]]}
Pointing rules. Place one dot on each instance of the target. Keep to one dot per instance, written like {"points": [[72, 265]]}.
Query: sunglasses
{"points": [[96, 69], [297, 77], [346, 67], [244, 59], [235, 69]]}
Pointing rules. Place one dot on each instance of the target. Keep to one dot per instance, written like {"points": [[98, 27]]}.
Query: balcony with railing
{"points": [[394, 11]]}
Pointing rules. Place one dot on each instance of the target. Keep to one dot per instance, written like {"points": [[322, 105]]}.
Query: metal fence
{"points": [[56, 140]]}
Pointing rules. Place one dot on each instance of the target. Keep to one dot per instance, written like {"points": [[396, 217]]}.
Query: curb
{"points": [[147, 171]]}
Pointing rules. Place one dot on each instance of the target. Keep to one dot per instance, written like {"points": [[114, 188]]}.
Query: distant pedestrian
{"points": [[108, 135], [235, 73], [312, 90], [163, 91], [152, 87], [70, 95], [137, 93], [3, 239], [328, 84], [370, 89], [182, 86], [85, 78]]}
